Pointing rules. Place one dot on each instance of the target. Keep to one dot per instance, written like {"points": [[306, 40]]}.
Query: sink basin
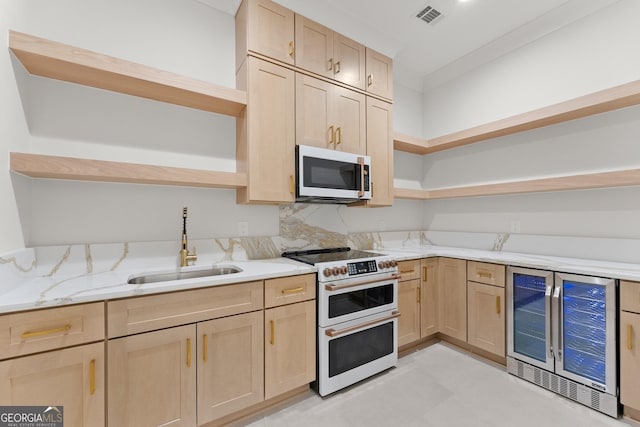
{"points": [[182, 275]]}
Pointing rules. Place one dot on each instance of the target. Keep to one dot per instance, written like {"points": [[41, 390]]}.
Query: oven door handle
{"points": [[334, 333], [334, 287]]}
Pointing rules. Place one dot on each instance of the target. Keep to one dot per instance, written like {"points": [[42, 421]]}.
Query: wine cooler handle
{"points": [[557, 326], [547, 319]]}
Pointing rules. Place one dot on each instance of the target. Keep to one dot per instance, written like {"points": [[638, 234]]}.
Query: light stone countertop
{"points": [[615, 270], [50, 292]]}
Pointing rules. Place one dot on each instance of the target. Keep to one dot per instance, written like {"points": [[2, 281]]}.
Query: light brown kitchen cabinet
{"points": [[629, 347], [329, 54], [265, 133], [266, 28], [329, 116], [230, 365], [379, 74], [72, 378], [429, 322], [486, 307], [409, 307], [152, 378], [289, 347], [380, 149], [452, 295]]}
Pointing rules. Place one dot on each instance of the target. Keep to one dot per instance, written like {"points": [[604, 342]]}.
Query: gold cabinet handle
{"points": [[272, 340], [291, 49], [292, 290], [629, 334], [332, 135], [292, 184], [424, 274], [336, 67], [370, 79], [188, 352], [483, 274], [92, 377], [407, 271], [498, 304], [330, 64], [205, 349], [33, 334], [419, 295], [338, 136]]}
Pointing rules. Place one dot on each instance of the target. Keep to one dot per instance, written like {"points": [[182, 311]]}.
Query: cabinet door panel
{"points": [[314, 47], [230, 365], [486, 318], [349, 113], [289, 347], [630, 359], [150, 380], [429, 298], [313, 115], [379, 74], [58, 378], [380, 148], [452, 292], [409, 307], [349, 61], [271, 30]]}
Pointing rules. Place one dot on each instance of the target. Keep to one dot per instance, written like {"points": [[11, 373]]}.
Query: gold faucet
{"points": [[185, 256]]}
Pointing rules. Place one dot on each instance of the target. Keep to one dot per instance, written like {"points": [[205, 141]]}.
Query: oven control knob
{"points": [[327, 272], [382, 264], [335, 271], [393, 263], [343, 270]]}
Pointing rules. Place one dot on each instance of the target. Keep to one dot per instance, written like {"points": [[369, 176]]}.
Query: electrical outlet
{"points": [[515, 226], [243, 228]]}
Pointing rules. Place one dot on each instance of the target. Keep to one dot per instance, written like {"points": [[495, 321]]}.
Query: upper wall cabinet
{"points": [[266, 28], [329, 54], [379, 74]]}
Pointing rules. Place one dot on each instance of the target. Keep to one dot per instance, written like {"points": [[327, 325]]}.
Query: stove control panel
{"points": [[356, 268]]}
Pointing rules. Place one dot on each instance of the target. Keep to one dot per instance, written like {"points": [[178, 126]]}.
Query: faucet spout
{"points": [[185, 256]]}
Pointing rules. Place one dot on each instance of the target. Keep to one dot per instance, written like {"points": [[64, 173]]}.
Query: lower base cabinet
{"points": [[486, 317], [409, 307], [72, 378], [452, 297], [630, 347], [289, 347]]}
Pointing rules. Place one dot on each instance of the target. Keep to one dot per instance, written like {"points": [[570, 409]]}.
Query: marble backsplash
{"points": [[302, 226]]}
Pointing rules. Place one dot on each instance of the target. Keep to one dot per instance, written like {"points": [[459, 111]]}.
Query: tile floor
{"points": [[440, 386]]}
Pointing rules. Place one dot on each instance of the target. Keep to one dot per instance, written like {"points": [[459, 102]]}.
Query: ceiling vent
{"points": [[429, 15]]}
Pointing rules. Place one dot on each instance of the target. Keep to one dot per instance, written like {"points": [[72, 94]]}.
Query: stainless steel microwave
{"points": [[330, 176]]}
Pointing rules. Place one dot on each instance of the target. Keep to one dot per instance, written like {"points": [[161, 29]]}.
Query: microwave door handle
{"points": [[557, 326], [361, 163]]}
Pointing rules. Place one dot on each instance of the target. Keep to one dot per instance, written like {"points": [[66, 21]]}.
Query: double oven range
{"points": [[357, 315]]}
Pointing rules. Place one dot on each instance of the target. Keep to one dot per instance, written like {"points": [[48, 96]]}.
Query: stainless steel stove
{"points": [[357, 314]]}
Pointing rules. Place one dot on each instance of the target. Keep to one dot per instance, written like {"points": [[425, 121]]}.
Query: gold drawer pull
{"points": [[188, 352], [291, 49], [370, 79], [330, 64], [92, 377], [292, 184], [424, 274], [338, 135], [498, 304], [419, 294], [483, 274], [33, 334], [629, 334], [332, 135], [205, 349], [272, 340], [336, 67], [407, 271], [293, 290]]}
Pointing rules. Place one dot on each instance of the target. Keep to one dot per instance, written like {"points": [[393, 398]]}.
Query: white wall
{"points": [[594, 53], [51, 117]]}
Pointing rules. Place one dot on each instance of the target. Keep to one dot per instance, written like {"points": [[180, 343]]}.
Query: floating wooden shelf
{"points": [[45, 166], [63, 62], [602, 101], [622, 178]]}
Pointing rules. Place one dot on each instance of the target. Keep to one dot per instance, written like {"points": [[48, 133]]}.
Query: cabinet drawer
{"points": [[630, 296], [134, 315], [40, 330], [482, 272], [287, 290], [409, 270]]}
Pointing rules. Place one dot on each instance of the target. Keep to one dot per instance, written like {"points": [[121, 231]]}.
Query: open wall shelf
{"points": [[622, 178], [55, 167], [602, 101], [59, 61]]}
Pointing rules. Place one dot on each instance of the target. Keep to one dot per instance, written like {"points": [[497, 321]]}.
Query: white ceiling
{"points": [[468, 34]]}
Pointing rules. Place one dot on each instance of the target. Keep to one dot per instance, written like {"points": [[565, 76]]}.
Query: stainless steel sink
{"points": [[182, 275]]}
